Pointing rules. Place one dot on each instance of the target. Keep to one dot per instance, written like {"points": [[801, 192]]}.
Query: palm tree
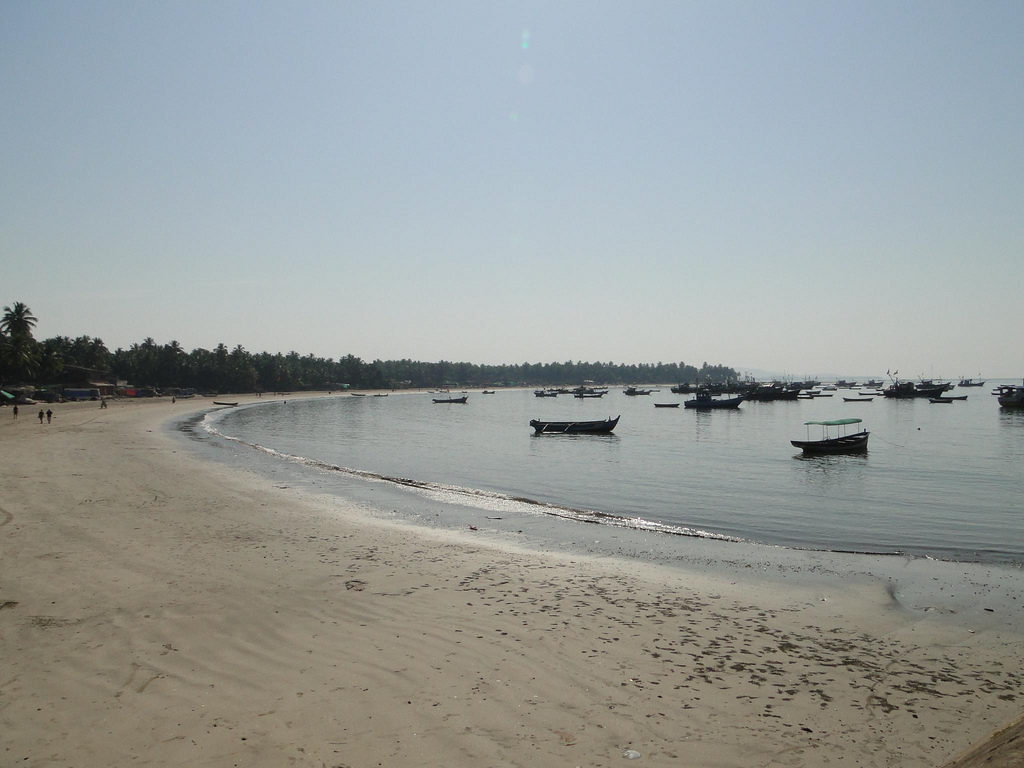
{"points": [[18, 321]]}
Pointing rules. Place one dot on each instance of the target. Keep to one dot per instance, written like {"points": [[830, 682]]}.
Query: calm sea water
{"points": [[944, 481]]}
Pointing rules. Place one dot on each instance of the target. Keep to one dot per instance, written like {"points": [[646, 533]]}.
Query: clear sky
{"points": [[793, 186]]}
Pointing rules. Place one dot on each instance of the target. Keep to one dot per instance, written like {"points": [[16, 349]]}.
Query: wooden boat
{"points": [[380, 395], [1011, 396], [666, 405], [947, 399], [905, 390], [487, 392], [462, 399], [583, 395], [845, 443], [574, 427], [704, 401], [358, 394], [633, 391], [544, 393], [857, 399], [970, 383], [221, 402]]}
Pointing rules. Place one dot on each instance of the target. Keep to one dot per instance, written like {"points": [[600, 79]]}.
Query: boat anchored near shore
{"points": [[844, 443]]}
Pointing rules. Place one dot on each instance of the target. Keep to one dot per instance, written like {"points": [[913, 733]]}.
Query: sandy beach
{"points": [[160, 609]]}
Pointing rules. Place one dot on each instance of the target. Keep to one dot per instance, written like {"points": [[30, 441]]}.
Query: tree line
{"points": [[25, 360]]}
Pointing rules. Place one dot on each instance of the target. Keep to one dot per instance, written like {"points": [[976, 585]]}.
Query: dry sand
{"points": [[158, 609]]}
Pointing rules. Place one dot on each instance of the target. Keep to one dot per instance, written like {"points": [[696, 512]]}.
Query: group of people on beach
{"points": [[47, 414]]}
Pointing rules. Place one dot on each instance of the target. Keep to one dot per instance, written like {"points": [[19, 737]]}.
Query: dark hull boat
{"points": [[221, 402], [666, 405], [1011, 396], [462, 399], [905, 390], [855, 443], [574, 427], [704, 401]]}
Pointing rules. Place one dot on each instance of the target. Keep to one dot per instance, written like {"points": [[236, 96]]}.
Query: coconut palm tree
{"points": [[18, 321]]}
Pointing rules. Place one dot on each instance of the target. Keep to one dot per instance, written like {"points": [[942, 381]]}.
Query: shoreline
{"points": [[173, 609]]}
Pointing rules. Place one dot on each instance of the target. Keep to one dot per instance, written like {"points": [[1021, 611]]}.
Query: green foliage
{"points": [[238, 370]]}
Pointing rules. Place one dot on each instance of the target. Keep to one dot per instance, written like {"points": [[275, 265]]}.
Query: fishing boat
{"points": [[906, 390], [358, 394], [857, 399], [873, 384], [221, 402], [544, 393], [487, 392], [633, 391], [970, 383], [462, 399], [705, 401], [666, 405], [573, 427], [946, 399], [385, 395], [1011, 396], [844, 443], [583, 395]]}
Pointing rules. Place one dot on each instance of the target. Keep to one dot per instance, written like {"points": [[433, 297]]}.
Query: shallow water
{"points": [[943, 481]]}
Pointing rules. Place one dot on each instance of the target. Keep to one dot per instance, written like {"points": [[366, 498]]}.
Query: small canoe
{"points": [[574, 427], [857, 399], [358, 394], [220, 402], [666, 405]]}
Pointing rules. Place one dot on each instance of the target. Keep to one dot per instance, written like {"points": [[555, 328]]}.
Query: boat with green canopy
{"points": [[845, 443]]}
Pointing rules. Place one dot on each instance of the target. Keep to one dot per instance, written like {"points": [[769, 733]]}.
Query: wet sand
{"points": [[157, 608]]}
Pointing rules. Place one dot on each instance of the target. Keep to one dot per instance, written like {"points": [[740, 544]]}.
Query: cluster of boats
{"points": [[845, 441]]}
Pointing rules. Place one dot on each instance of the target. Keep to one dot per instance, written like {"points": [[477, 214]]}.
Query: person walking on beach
{"points": [[15, 411], [41, 414], [49, 415]]}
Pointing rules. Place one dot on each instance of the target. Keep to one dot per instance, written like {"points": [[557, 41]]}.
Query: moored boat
{"points": [[970, 383], [844, 443], [462, 399], [220, 402], [666, 405], [906, 390], [573, 427], [1011, 396], [705, 401]]}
